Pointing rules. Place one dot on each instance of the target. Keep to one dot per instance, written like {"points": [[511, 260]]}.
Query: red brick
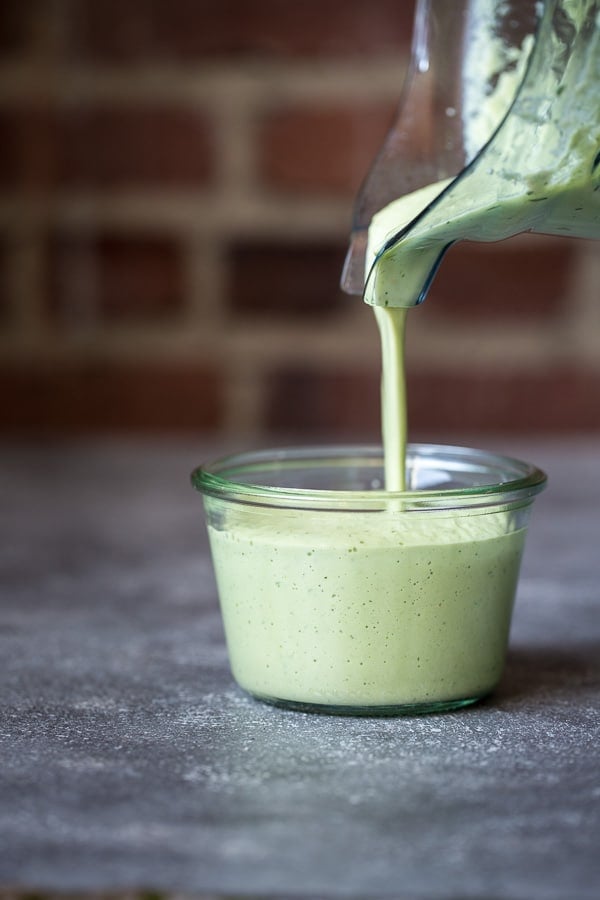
{"points": [[10, 163], [20, 22], [347, 402], [101, 146], [116, 277], [97, 396], [301, 400], [153, 30], [556, 400], [321, 150], [141, 146], [287, 280], [504, 280], [5, 300], [27, 147]]}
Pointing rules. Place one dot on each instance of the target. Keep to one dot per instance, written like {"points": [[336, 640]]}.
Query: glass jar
{"points": [[340, 597]]}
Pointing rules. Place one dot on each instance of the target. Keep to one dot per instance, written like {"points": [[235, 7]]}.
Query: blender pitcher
{"points": [[508, 140]]}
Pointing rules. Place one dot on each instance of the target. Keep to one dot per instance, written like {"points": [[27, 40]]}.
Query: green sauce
{"points": [[364, 610]]}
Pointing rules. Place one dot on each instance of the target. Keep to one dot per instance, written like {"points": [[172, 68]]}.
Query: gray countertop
{"points": [[130, 759]]}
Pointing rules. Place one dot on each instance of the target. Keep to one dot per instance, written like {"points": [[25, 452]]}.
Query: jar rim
{"points": [[521, 483]]}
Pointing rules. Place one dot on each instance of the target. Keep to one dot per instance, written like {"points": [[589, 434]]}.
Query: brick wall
{"points": [[176, 182]]}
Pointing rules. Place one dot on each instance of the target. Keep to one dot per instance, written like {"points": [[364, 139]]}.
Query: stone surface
{"points": [[130, 760]]}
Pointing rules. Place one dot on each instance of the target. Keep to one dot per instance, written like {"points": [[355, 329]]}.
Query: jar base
{"points": [[389, 710]]}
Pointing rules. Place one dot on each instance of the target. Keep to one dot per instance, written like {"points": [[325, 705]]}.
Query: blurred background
{"points": [[176, 186]]}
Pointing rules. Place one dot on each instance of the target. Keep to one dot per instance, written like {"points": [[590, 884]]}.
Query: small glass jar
{"points": [[340, 597]]}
